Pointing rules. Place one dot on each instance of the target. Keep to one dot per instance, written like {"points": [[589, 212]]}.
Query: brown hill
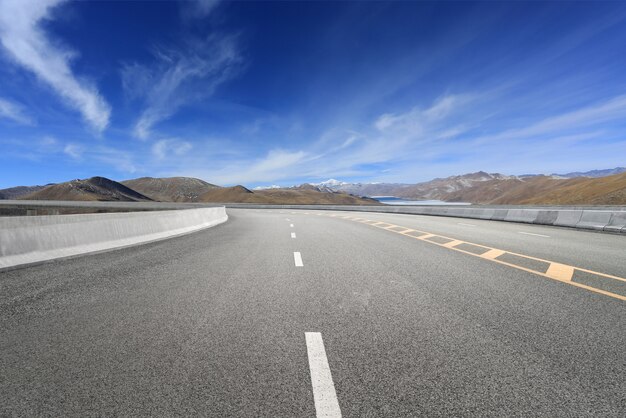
{"points": [[171, 189], [315, 197], [609, 190], [459, 188], [19, 191], [504, 191], [93, 189], [305, 196], [511, 190]]}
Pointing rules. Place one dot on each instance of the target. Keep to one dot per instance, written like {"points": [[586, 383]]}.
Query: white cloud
{"points": [[180, 76], [168, 147], [14, 111], [273, 186], [119, 159], [27, 44], [439, 140], [610, 110], [73, 150], [199, 8], [48, 141], [277, 164], [419, 120]]}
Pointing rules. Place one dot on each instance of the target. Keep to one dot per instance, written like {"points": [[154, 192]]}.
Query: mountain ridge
{"points": [[91, 189], [591, 187]]}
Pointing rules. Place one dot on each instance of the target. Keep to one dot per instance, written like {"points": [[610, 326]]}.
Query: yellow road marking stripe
{"points": [[426, 236], [492, 254], [560, 272], [556, 271]]}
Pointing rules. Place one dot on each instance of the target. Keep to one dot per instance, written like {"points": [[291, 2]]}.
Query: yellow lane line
{"points": [[492, 254], [560, 272], [556, 271], [425, 237], [453, 244]]}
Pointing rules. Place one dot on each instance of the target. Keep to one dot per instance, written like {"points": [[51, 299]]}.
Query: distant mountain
{"points": [[369, 189], [609, 190], [452, 188], [184, 189], [273, 186], [297, 196], [495, 188], [170, 189], [330, 183], [19, 191], [512, 190], [594, 173], [93, 189], [434, 189], [591, 187]]}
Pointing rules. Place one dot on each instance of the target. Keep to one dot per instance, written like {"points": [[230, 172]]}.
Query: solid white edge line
{"points": [[535, 235], [461, 223], [293, 235], [324, 395], [297, 258]]}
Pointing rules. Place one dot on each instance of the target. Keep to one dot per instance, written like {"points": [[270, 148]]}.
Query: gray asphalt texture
{"points": [[213, 323]]}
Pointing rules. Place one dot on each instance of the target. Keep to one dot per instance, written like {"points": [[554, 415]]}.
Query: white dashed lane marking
{"points": [[324, 395], [293, 235], [297, 258], [534, 235]]}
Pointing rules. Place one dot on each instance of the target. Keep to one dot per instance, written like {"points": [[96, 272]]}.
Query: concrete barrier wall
{"points": [[610, 219], [33, 239]]}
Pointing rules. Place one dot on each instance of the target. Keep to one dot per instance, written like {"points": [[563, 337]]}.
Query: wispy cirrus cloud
{"points": [[15, 112], [198, 9], [170, 147], [178, 77], [444, 138], [584, 117], [26, 43], [419, 121], [74, 150]]}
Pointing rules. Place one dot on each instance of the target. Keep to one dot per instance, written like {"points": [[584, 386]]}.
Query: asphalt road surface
{"points": [[304, 314]]}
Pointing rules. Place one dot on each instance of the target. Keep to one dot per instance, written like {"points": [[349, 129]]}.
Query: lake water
{"points": [[392, 200]]}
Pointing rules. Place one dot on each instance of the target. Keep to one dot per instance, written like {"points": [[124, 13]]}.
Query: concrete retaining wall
{"points": [[33, 239], [610, 219]]}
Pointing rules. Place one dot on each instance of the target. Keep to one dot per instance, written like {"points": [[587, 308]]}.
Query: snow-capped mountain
{"points": [[330, 183], [273, 186], [594, 173], [478, 187]]}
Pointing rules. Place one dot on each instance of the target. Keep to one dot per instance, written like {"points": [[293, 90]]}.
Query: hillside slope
{"points": [[537, 190], [19, 191], [93, 189], [609, 190], [296, 196], [170, 189]]}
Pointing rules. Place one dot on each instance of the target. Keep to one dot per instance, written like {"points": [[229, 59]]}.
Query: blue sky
{"points": [[261, 93]]}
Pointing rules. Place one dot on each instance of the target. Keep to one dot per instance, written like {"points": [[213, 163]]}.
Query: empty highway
{"points": [[312, 313]]}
